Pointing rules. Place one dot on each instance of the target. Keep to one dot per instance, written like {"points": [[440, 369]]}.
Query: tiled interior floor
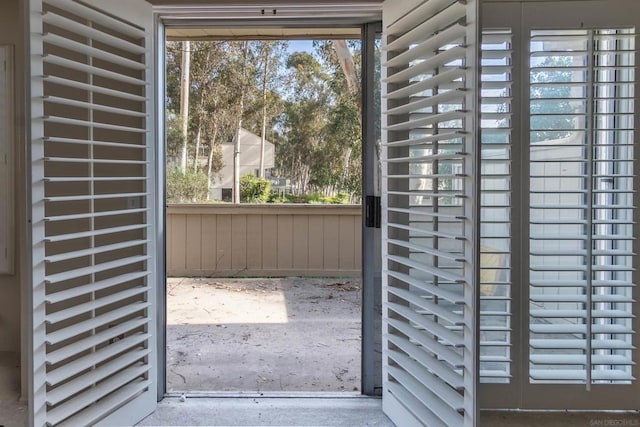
{"points": [[13, 412], [316, 411]]}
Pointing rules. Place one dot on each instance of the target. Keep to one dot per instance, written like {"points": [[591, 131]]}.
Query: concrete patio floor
{"points": [[263, 335]]}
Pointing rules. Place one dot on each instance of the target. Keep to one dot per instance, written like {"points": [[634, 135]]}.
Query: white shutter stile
{"points": [[92, 212], [430, 197]]}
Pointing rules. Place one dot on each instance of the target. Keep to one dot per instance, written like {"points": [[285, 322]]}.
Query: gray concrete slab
{"points": [[341, 411]]}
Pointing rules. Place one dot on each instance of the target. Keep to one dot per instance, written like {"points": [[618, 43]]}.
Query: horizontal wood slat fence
{"points": [[264, 240]]}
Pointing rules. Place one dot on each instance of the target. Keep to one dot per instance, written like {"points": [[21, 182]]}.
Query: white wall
{"points": [[250, 146], [249, 162], [11, 33]]}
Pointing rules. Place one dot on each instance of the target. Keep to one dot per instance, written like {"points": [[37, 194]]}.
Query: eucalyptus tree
{"points": [[303, 120], [341, 168], [271, 54]]}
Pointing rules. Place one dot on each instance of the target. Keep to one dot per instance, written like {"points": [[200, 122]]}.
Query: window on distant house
{"points": [[227, 194]]}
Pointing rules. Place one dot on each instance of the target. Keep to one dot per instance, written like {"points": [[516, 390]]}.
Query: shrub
{"points": [[314, 198], [340, 199], [280, 197], [254, 189], [189, 187]]}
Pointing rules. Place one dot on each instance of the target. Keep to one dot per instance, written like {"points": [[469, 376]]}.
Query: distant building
{"points": [[222, 187]]}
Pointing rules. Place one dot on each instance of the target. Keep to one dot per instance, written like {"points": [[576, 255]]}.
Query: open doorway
{"points": [[264, 295]]}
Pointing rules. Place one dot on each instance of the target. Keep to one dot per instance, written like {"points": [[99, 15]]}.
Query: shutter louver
{"points": [[429, 219], [495, 205], [92, 214], [581, 237]]}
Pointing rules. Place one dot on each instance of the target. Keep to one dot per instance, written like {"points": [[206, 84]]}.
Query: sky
{"points": [[300, 46]]}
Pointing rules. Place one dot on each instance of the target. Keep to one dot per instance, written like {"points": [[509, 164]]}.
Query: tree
{"points": [[303, 121], [344, 135], [550, 106], [185, 80], [271, 53], [210, 114], [236, 147], [213, 101], [308, 105]]}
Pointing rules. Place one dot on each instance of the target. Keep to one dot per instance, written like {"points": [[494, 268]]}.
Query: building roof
{"points": [[248, 138]]}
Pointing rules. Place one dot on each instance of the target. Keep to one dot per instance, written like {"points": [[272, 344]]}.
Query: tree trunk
{"points": [[236, 147], [184, 101], [236, 154], [263, 138], [349, 69], [210, 162], [197, 153], [347, 163], [347, 64]]}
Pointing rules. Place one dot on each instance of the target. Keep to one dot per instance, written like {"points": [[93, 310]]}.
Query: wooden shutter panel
{"points": [[92, 212], [581, 205], [430, 212]]}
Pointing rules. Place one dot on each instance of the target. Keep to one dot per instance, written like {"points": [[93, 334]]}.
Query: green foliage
{"points": [[314, 198], [310, 198], [339, 199], [321, 144], [551, 109], [189, 187], [309, 105], [254, 189], [174, 134], [281, 198]]}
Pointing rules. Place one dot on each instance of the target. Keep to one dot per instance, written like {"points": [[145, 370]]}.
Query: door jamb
{"points": [[234, 15]]}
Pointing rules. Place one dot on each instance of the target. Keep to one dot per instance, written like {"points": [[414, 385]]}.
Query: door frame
{"points": [[367, 17]]}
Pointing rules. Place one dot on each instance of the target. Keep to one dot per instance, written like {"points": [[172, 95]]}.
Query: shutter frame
{"points": [[575, 249], [408, 234], [93, 352]]}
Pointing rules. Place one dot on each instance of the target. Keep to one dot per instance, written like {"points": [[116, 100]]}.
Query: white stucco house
{"points": [[222, 187]]}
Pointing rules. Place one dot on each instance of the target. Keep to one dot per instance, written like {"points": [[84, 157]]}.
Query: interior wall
{"points": [[11, 33]]}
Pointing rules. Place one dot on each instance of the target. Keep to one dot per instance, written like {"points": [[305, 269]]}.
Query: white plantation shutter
{"points": [[430, 212], [558, 263], [496, 206], [92, 212], [582, 206]]}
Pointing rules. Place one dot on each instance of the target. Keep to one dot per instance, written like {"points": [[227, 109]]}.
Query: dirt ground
{"points": [[262, 335]]}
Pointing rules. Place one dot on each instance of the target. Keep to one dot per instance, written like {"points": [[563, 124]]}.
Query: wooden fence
{"points": [[225, 240]]}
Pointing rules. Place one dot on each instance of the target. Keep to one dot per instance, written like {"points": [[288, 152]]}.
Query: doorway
{"points": [[258, 332]]}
